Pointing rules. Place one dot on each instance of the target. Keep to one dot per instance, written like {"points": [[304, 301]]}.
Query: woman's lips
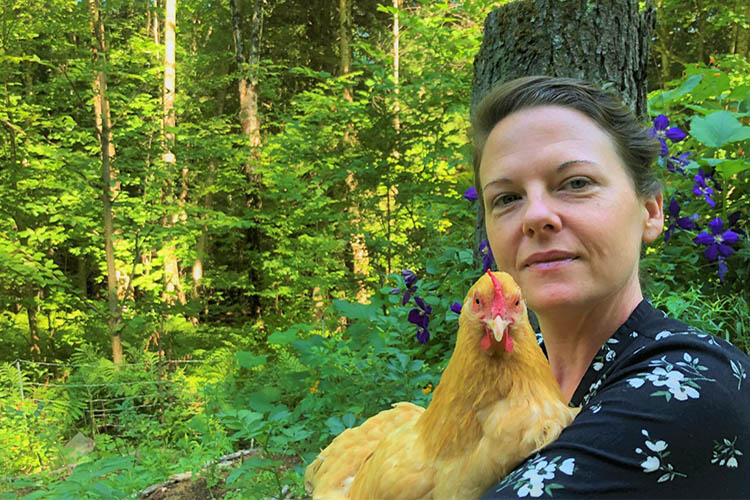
{"points": [[550, 259], [547, 265]]}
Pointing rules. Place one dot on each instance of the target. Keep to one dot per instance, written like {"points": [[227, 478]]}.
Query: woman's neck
{"points": [[573, 336]]}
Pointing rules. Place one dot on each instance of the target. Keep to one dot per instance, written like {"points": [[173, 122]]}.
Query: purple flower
{"points": [[410, 280], [409, 277], [700, 188], [675, 163], [471, 194], [487, 257], [661, 132], [676, 220], [420, 316], [718, 244], [722, 269], [423, 335], [456, 307]]}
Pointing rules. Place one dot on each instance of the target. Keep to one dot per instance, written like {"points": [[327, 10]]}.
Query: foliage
{"points": [[705, 253], [297, 346]]}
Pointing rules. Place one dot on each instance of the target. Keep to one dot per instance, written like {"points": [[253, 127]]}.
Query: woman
{"points": [[564, 173]]}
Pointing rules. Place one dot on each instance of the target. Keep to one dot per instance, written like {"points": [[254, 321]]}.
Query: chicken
{"points": [[497, 403]]}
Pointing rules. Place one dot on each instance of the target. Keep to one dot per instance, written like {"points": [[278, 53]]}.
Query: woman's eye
{"points": [[578, 183], [506, 199]]}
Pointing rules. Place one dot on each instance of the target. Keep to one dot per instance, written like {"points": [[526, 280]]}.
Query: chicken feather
{"points": [[497, 403]]}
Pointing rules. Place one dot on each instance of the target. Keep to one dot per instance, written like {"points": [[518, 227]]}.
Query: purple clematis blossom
{"points": [[456, 307], [718, 243], [471, 194], [420, 316], [661, 132], [487, 257], [675, 164], [677, 221], [410, 280], [423, 335], [700, 188], [722, 269]]}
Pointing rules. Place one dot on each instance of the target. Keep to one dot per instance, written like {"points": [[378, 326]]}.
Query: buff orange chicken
{"points": [[497, 403]]}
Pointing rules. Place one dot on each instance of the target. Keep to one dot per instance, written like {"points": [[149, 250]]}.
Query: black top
{"points": [[665, 414]]}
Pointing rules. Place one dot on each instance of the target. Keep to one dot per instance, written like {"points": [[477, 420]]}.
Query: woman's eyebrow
{"points": [[571, 163], [560, 168]]}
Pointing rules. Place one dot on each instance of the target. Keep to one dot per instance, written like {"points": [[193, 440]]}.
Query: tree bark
{"points": [[360, 255], [103, 128], [605, 43], [250, 123], [172, 284], [391, 190]]}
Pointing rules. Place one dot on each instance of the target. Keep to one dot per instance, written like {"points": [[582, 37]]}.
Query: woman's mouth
{"points": [[549, 260], [551, 264]]}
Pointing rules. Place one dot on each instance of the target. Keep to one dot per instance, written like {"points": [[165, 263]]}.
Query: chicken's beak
{"points": [[499, 327]]}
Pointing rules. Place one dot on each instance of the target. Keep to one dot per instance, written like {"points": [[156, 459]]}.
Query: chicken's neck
{"points": [[473, 380]]}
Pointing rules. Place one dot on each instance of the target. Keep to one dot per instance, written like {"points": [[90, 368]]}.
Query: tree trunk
{"points": [[605, 43], [248, 67], [155, 23], [32, 307], [391, 190], [360, 255], [172, 284], [742, 37], [103, 128], [250, 123]]}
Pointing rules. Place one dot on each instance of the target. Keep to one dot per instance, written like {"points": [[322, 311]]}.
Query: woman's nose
{"points": [[540, 216]]}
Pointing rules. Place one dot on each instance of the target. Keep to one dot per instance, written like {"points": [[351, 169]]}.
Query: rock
{"points": [[79, 446]]}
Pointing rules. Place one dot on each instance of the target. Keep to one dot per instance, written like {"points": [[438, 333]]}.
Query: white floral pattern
{"points": [[679, 380], [533, 479], [606, 354], [655, 459], [739, 373], [725, 453]]}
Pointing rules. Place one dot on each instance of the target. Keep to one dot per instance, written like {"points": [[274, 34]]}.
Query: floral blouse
{"points": [[665, 414]]}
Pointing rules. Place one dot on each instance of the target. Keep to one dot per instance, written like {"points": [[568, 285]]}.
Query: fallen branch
{"points": [[222, 462]]}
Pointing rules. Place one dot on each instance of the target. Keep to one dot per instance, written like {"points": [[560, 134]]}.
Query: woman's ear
{"points": [[653, 216]]}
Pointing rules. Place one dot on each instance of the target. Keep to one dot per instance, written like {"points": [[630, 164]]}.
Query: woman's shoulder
{"points": [[655, 337], [672, 359]]}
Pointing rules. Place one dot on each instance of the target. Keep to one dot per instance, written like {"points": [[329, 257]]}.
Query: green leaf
{"points": [[249, 466], [348, 419], [718, 129], [730, 168], [263, 399], [353, 310], [249, 360], [283, 338], [335, 425], [713, 84], [660, 100]]}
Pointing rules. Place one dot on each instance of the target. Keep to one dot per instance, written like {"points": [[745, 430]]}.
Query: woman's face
{"points": [[561, 211]]}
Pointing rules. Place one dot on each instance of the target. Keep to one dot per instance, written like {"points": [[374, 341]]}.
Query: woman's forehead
{"points": [[547, 132]]}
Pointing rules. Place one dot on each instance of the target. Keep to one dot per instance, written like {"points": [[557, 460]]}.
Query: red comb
{"points": [[498, 301]]}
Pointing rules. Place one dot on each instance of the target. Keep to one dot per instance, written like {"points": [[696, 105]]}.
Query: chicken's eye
{"points": [[476, 301], [517, 301]]}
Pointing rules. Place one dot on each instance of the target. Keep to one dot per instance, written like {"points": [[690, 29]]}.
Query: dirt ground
{"points": [[188, 490]]}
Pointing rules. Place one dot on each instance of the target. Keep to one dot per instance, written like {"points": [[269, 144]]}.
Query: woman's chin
{"points": [[552, 297]]}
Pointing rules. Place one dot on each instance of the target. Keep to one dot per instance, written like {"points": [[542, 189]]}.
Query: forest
{"points": [[217, 215]]}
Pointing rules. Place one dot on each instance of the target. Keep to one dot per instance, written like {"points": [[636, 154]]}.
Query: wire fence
{"points": [[102, 402]]}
